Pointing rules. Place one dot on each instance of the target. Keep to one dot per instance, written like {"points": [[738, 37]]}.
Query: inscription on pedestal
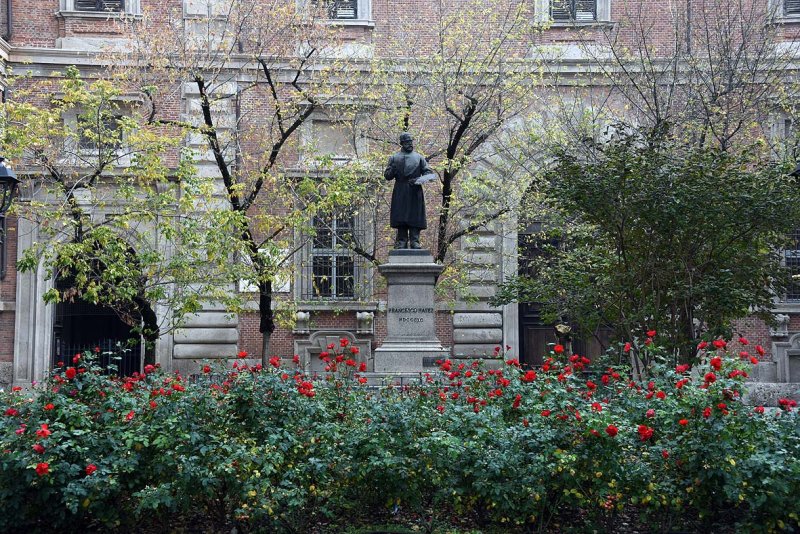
{"points": [[410, 315]]}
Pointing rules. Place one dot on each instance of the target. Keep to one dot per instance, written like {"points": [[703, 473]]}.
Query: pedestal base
{"points": [[411, 344], [407, 358]]}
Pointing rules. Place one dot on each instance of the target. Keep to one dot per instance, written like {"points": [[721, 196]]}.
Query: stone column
{"points": [[411, 341]]}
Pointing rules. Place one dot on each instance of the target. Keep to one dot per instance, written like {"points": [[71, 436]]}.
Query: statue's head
{"points": [[406, 142]]}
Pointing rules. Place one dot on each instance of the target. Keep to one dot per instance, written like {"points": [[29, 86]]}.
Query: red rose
{"points": [[206, 369], [70, 373], [719, 343], [651, 333], [661, 395], [558, 349], [344, 342], [743, 340], [597, 407], [591, 385], [760, 350], [716, 363], [353, 350], [39, 448], [12, 412], [242, 354], [296, 359], [611, 430], [91, 468], [680, 369], [525, 422], [759, 409], [707, 412], [710, 378], [362, 367], [130, 415], [275, 361], [627, 347], [529, 376], [49, 406], [645, 432], [702, 345], [683, 422], [42, 469], [149, 369], [648, 341], [546, 413], [76, 358], [754, 360], [178, 387], [650, 413], [517, 401], [665, 454], [43, 431]]}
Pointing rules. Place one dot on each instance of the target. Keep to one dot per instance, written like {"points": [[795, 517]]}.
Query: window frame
{"points": [[67, 8], [333, 253], [543, 10], [363, 14], [80, 150], [362, 271], [793, 253]]}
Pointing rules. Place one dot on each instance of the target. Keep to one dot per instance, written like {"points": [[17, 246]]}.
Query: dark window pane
{"points": [[344, 277], [791, 7], [323, 237], [792, 259], [322, 276], [99, 5], [108, 133], [573, 10], [343, 9]]}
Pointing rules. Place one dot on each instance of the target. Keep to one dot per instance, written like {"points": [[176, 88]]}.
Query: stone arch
{"points": [[34, 318]]}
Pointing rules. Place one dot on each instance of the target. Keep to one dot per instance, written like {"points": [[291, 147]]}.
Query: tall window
{"points": [[791, 256], [100, 5], [574, 10], [332, 265], [791, 7]]}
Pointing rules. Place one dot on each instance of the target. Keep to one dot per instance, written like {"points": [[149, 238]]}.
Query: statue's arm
{"points": [[389, 172], [426, 169]]}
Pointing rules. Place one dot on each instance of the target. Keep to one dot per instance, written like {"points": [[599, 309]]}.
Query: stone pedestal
{"points": [[411, 341]]}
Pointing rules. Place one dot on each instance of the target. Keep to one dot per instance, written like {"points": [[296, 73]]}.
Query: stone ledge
{"points": [[7, 305], [767, 394]]}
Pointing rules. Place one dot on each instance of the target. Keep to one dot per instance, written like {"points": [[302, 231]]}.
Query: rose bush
{"points": [[562, 447]]}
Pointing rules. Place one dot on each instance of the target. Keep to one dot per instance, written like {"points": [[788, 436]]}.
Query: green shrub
{"points": [[562, 447]]}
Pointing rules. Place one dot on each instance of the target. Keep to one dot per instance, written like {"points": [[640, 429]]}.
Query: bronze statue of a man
{"points": [[407, 214]]}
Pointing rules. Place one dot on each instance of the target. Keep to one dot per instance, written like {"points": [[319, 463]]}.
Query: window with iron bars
{"points": [[330, 269], [791, 7], [791, 258], [573, 10], [100, 5], [340, 9]]}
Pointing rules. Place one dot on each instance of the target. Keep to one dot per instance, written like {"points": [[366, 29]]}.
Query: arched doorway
{"points": [[536, 336], [114, 329], [79, 326]]}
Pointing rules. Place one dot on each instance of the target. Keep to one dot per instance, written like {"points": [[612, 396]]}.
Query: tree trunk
{"points": [[266, 319]]}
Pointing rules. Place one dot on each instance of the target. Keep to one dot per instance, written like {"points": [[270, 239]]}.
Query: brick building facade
{"points": [[48, 36]]}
